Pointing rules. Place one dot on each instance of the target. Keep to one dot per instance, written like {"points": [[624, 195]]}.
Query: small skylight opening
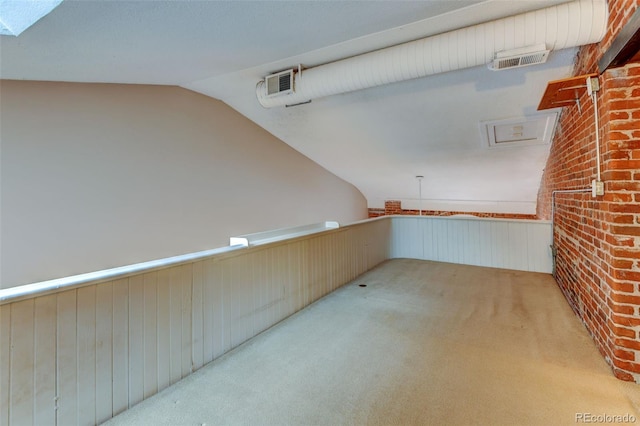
{"points": [[18, 15]]}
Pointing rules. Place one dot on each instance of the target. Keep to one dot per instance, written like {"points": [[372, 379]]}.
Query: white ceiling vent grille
{"points": [[517, 58], [521, 131], [280, 83]]}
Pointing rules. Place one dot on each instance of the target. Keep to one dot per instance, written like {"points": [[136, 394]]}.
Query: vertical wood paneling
{"points": [[104, 352], [294, 276], [186, 283], [472, 248], [66, 362], [164, 329], [539, 237], [265, 283], [105, 347], [22, 361], [120, 346], [442, 239], [246, 308], [518, 246], [496, 240], [259, 280], [45, 360], [216, 292], [498, 243], [5, 363], [175, 319], [207, 311], [227, 280], [197, 316], [485, 247], [87, 355], [136, 339], [150, 332]]}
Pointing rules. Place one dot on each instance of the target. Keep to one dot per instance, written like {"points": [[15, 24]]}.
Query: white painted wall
{"points": [[96, 176]]}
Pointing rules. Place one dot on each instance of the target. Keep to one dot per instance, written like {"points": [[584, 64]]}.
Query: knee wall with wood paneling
{"points": [[85, 354]]}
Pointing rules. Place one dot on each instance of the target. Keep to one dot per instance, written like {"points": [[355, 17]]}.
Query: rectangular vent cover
{"points": [[280, 83], [519, 58], [519, 131]]}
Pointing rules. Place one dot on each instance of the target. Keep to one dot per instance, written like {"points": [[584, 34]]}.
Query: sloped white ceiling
{"points": [[378, 139]]}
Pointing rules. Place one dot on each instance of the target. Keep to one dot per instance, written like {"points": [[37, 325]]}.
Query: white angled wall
{"points": [[499, 243], [102, 175]]}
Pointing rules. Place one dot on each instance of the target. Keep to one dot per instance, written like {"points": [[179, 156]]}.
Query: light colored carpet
{"points": [[424, 343]]}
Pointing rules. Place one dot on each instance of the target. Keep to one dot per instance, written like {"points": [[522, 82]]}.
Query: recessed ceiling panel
{"points": [[518, 131]]}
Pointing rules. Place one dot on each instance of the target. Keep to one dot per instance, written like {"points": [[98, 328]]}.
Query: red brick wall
{"points": [[598, 239], [395, 207]]}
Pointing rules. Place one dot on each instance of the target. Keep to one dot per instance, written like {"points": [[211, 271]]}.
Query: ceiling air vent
{"points": [[517, 58], [280, 83], [519, 131]]}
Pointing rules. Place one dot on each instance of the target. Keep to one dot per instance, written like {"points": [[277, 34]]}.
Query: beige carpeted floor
{"points": [[423, 343]]}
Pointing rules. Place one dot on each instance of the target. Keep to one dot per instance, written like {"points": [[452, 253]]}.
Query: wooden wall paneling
{"points": [[66, 361], [150, 332], [442, 239], [232, 279], [313, 260], [175, 319], [22, 396], [499, 252], [227, 301], [335, 253], [216, 298], [251, 303], [104, 352], [327, 267], [428, 241], [45, 360], [303, 254], [136, 339], [244, 301], [471, 254], [295, 278], [453, 243], [286, 306], [539, 242], [164, 328], [207, 312], [186, 284], [87, 355], [345, 260], [120, 345], [484, 243], [323, 281], [292, 279], [518, 246], [197, 315], [5, 362], [264, 279]]}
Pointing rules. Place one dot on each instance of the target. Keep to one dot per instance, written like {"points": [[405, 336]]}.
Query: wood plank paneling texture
{"points": [[511, 244], [83, 355]]}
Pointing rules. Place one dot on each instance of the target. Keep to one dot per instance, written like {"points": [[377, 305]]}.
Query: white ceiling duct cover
{"points": [[557, 27], [519, 131]]}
